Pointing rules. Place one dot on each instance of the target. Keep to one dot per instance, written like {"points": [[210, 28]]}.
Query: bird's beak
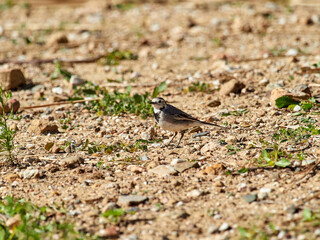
{"points": [[152, 103]]}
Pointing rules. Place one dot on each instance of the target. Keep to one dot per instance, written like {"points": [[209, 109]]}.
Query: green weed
{"points": [[255, 233], [108, 149], [6, 5], [117, 102], [32, 222], [200, 87], [59, 71], [116, 56], [239, 112], [278, 51], [274, 154], [116, 215], [124, 6], [232, 149], [7, 135]]}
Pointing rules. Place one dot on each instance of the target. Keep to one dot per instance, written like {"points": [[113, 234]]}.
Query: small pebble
{"points": [[225, 226]]}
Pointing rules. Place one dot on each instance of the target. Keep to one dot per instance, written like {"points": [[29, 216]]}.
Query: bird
{"points": [[173, 119]]}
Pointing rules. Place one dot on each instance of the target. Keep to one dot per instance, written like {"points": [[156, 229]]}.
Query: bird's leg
{"points": [[175, 134], [182, 134]]}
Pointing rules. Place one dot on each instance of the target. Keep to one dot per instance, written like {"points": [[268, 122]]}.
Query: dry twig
{"points": [[60, 103], [52, 60]]}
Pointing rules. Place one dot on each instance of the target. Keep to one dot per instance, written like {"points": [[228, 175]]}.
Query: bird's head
{"points": [[158, 103]]}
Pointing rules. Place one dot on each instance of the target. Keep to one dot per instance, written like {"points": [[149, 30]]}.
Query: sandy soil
{"points": [[261, 44]]}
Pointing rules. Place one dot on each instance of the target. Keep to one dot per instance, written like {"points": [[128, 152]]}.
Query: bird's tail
{"points": [[212, 124]]}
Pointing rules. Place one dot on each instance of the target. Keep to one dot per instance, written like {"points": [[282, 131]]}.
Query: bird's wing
{"points": [[177, 114]]}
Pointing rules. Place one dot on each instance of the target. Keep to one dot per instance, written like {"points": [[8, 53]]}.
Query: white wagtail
{"points": [[173, 119]]}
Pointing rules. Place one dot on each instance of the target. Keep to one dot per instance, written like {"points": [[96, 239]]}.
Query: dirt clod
{"points": [[41, 126], [71, 162], [233, 86], [11, 78]]}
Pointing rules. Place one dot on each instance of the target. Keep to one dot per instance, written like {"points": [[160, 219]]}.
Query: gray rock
{"points": [[201, 134], [30, 173], [292, 209], [249, 198], [76, 80], [182, 166], [131, 200], [273, 85], [163, 171], [144, 158]]}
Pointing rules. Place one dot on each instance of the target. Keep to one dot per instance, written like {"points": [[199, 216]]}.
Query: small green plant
{"points": [[274, 153], [7, 135], [309, 216], [255, 233], [140, 144], [273, 156], [298, 135], [117, 102], [217, 41], [59, 71], [116, 56], [66, 123], [116, 215], [232, 149], [32, 222], [200, 87], [6, 5], [239, 112], [124, 6], [278, 51], [316, 65], [290, 103]]}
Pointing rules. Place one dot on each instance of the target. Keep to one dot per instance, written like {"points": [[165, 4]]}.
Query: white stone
{"points": [[30, 173], [194, 193], [225, 226], [307, 162], [292, 52], [265, 190], [176, 160], [57, 90], [264, 81], [297, 108]]}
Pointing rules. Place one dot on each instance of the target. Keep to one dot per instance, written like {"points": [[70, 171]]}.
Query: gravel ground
{"points": [[211, 187]]}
